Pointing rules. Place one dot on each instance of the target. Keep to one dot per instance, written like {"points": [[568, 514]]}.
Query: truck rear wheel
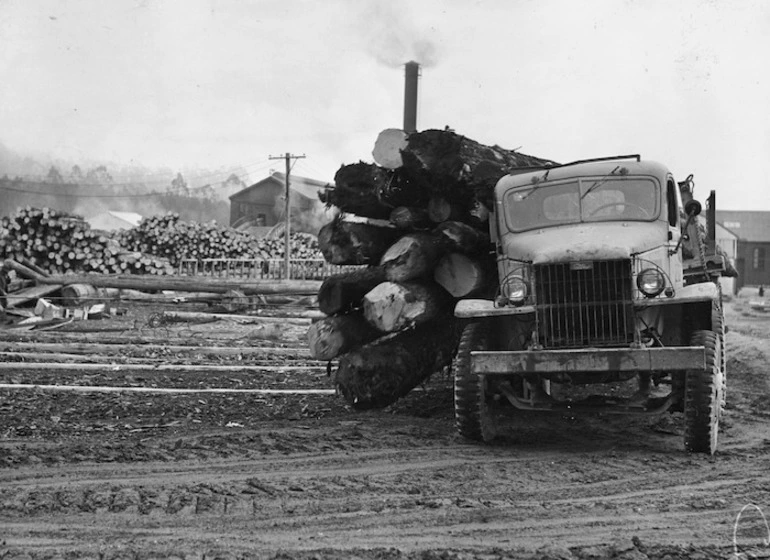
{"points": [[470, 407], [718, 326], [702, 397]]}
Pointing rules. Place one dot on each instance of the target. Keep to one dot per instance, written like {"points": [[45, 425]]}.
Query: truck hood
{"points": [[595, 241]]}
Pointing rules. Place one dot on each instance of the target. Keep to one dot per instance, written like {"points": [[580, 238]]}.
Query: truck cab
{"points": [[602, 279]]}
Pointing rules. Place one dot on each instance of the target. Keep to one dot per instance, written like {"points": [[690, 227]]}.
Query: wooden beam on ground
{"points": [[24, 295], [172, 368], [185, 284], [105, 389], [197, 316], [96, 348]]}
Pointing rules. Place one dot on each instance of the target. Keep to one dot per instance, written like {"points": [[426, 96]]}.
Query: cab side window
{"points": [[672, 201]]}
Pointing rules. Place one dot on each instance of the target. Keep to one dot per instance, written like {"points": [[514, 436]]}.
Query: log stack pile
{"points": [[418, 220], [58, 242], [171, 238]]}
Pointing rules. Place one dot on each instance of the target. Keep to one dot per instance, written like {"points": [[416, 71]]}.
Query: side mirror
{"points": [[692, 208]]}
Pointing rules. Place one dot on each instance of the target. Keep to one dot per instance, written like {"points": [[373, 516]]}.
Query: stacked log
{"points": [[169, 237], [58, 242], [419, 221]]}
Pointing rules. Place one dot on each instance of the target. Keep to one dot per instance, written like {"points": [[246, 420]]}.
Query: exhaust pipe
{"points": [[412, 76]]}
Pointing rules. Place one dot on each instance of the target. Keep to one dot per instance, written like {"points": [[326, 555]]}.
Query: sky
{"points": [[228, 84]]}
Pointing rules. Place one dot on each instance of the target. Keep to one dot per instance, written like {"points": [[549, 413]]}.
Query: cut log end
{"points": [[388, 146]]}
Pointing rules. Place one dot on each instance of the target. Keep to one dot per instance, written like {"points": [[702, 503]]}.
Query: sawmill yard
{"points": [[227, 441]]}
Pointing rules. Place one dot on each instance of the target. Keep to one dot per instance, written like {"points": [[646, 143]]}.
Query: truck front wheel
{"points": [[702, 396], [470, 407]]}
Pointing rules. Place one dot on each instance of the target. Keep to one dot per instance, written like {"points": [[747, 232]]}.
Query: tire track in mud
{"points": [[397, 479], [455, 495]]}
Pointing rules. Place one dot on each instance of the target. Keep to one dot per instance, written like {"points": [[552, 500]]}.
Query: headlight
{"points": [[651, 282], [515, 290]]}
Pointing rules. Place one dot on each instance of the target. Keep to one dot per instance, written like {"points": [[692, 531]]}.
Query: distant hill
{"points": [[89, 188]]}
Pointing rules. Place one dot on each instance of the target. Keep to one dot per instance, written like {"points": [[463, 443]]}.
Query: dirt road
{"points": [[247, 475]]}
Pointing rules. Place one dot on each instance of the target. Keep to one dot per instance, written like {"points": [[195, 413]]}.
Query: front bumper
{"points": [[589, 360]]}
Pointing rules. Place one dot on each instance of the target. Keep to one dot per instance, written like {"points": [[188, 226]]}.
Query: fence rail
{"points": [[268, 269]]}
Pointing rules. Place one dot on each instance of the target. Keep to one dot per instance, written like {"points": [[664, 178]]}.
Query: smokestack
{"points": [[410, 96]]}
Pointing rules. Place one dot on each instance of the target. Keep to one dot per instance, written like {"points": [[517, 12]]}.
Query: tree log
{"points": [[340, 293], [410, 218], [345, 242], [379, 373], [413, 256], [393, 306], [461, 168], [388, 147], [441, 209], [460, 275], [362, 189], [464, 238], [332, 336]]}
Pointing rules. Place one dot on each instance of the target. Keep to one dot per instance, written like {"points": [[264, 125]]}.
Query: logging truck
{"points": [[607, 287]]}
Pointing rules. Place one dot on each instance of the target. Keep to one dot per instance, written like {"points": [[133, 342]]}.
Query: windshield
{"points": [[601, 199]]}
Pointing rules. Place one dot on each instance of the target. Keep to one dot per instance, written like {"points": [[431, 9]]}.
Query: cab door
{"points": [[674, 217]]}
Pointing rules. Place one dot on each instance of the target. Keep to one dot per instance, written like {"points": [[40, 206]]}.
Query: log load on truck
{"points": [[605, 276]]}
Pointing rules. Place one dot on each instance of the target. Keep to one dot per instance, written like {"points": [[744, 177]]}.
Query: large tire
{"points": [[470, 409], [702, 397], [718, 326]]}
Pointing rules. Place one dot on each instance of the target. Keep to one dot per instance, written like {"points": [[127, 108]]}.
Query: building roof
{"points": [[302, 185], [748, 225]]}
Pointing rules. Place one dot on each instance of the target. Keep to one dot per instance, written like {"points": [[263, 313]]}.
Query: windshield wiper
{"points": [[599, 183], [537, 183]]}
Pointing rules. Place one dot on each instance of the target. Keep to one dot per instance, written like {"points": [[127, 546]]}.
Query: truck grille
{"points": [[584, 304]]}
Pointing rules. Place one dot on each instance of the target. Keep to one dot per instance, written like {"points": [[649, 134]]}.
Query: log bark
{"points": [[332, 336], [461, 276], [394, 306], [361, 189], [410, 218], [344, 242], [460, 168], [413, 256], [379, 373], [440, 209], [365, 189], [342, 292], [463, 238]]}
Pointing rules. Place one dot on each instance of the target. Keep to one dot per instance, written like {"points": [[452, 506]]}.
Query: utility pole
{"points": [[287, 215]]}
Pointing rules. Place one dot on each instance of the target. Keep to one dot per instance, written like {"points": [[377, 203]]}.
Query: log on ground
{"points": [[379, 373]]}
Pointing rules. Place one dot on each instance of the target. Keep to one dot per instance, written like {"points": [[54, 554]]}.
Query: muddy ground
{"points": [[115, 475]]}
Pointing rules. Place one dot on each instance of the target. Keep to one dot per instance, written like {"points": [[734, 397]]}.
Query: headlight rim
{"points": [[506, 291], [640, 282]]}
